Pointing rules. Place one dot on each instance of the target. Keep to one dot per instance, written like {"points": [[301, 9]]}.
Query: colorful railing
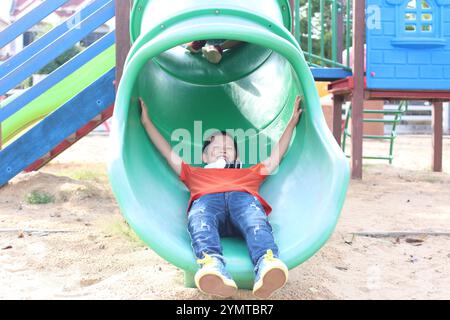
{"points": [[77, 116], [323, 30]]}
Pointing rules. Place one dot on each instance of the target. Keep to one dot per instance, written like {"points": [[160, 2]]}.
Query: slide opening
{"points": [[303, 193]]}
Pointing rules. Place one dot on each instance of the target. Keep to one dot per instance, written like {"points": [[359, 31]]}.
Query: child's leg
{"points": [[228, 44], [249, 217], [213, 53], [196, 46], [205, 217]]}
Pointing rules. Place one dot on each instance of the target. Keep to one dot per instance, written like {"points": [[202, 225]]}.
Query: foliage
{"points": [[39, 197], [63, 58], [317, 34]]}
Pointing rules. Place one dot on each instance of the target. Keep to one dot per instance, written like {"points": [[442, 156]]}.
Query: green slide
{"points": [[56, 96], [252, 89]]}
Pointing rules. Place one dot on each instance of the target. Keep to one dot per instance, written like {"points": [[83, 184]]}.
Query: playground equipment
{"points": [[19, 115], [254, 87], [72, 100], [407, 59], [397, 117], [408, 44], [56, 96]]}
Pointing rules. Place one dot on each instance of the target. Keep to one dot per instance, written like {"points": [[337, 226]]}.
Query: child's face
{"points": [[221, 146]]}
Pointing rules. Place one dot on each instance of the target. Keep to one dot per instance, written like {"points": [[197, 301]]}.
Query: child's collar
{"points": [[223, 164]]}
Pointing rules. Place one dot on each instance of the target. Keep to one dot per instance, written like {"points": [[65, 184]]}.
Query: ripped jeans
{"points": [[229, 214]]}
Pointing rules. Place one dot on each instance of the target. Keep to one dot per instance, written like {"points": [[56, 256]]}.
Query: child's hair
{"points": [[208, 141]]}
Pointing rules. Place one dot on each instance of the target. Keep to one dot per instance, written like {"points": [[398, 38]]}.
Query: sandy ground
{"points": [[99, 257]]}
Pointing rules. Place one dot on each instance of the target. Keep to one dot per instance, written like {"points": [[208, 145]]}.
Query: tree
{"points": [[317, 34], [63, 58]]}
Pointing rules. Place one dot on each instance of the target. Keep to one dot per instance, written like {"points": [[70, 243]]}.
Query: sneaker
{"points": [[272, 275], [195, 46], [213, 279], [213, 53]]}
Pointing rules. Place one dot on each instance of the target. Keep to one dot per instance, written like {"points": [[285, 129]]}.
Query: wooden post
{"points": [[437, 136], [123, 43], [338, 100], [358, 91]]}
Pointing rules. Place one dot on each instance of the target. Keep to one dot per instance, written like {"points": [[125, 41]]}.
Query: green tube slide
{"points": [[252, 89], [56, 96]]}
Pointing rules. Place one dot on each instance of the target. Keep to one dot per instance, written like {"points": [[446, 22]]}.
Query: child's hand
{"points": [[297, 111], [144, 112]]}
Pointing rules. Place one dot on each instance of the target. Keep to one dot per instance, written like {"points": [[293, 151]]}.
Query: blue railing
{"points": [[59, 74], [29, 20], [50, 46], [75, 113], [58, 125], [55, 48], [33, 48]]}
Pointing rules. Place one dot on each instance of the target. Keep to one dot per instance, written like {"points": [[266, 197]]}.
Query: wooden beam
{"points": [[437, 136], [401, 234], [337, 117], [123, 42], [60, 148], [407, 95], [358, 91]]}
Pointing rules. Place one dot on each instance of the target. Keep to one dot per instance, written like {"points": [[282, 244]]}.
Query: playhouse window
{"points": [[411, 4], [425, 5], [419, 18]]}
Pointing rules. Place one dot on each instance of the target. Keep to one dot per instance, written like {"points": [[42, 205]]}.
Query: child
{"points": [[212, 49], [226, 202]]}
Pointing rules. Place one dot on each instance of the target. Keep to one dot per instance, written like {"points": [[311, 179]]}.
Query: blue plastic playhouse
{"points": [[408, 44]]}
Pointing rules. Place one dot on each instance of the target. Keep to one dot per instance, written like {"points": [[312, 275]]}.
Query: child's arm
{"points": [[281, 147], [158, 140]]}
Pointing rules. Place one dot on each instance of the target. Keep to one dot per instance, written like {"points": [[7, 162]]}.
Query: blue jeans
{"points": [[229, 214]]}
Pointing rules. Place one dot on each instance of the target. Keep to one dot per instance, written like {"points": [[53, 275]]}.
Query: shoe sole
{"points": [[212, 56], [214, 285], [273, 280]]}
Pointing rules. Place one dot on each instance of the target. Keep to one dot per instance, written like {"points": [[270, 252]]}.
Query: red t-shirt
{"points": [[201, 181]]}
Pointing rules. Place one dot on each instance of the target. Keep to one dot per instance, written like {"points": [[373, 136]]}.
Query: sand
{"points": [[79, 247]]}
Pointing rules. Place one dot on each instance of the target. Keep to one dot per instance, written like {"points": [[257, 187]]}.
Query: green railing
{"points": [[394, 120], [324, 30]]}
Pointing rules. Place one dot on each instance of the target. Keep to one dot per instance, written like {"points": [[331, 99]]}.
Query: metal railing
{"points": [[392, 117], [323, 29]]}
